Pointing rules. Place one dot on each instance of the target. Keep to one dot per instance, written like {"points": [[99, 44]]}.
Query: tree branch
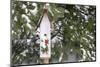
{"points": [[52, 36]]}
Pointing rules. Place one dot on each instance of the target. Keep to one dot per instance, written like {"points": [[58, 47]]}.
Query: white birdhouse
{"points": [[45, 36]]}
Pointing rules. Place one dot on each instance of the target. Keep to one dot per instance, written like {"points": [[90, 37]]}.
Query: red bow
{"points": [[46, 41]]}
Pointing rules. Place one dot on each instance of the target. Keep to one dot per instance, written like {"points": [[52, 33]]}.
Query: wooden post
{"points": [[45, 38], [45, 61]]}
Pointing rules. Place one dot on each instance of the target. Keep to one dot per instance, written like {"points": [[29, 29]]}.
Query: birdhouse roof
{"points": [[42, 15]]}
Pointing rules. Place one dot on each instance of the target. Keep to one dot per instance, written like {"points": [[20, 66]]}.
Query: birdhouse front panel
{"points": [[45, 49]]}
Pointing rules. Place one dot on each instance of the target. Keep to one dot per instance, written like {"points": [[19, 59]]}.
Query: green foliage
{"points": [[73, 32]]}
